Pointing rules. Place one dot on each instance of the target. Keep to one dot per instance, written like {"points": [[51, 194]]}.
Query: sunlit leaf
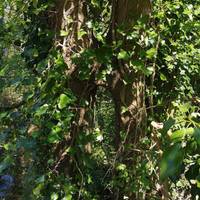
{"points": [[123, 55], [63, 101], [180, 134], [42, 110], [81, 33], [151, 53], [64, 33], [53, 138], [67, 197], [163, 77], [54, 196]]}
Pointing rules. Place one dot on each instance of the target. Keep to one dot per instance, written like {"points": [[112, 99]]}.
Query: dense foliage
{"points": [[38, 106]]}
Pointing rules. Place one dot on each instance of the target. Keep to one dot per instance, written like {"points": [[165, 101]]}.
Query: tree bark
{"points": [[71, 18], [130, 95], [130, 123]]}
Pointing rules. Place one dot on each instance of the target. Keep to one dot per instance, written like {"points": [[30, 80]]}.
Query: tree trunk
{"points": [[71, 17], [130, 124], [131, 94]]}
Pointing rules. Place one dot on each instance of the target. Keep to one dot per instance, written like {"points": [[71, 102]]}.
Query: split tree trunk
{"points": [[131, 95], [71, 17]]}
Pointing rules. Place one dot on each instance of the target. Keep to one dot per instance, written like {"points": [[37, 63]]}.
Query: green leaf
{"points": [[168, 58], [167, 125], [7, 162], [64, 33], [197, 135], [42, 110], [123, 55], [35, 3], [163, 77], [95, 3], [3, 166], [3, 72], [184, 107], [99, 37], [140, 66], [198, 181], [54, 196], [54, 137], [151, 53], [81, 33], [37, 190], [171, 161], [121, 167], [67, 197], [137, 64], [26, 143], [180, 134], [3, 115], [63, 101], [41, 179]]}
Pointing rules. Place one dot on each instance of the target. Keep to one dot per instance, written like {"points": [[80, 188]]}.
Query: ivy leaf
{"points": [[42, 110], [171, 161], [167, 125], [121, 167], [3, 115], [53, 137], [95, 3], [54, 196], [184, 107], [178, 135], [40, 179], [67, 197], [197, 135], [99, 37], [198, 181], [81, 33], [26, 143], [8, 161], [64, 33], [37, 190], [3, 166], [151, 53], [163, 77], [123, 55], [140, 66], [63, 101], [35, 3]]}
